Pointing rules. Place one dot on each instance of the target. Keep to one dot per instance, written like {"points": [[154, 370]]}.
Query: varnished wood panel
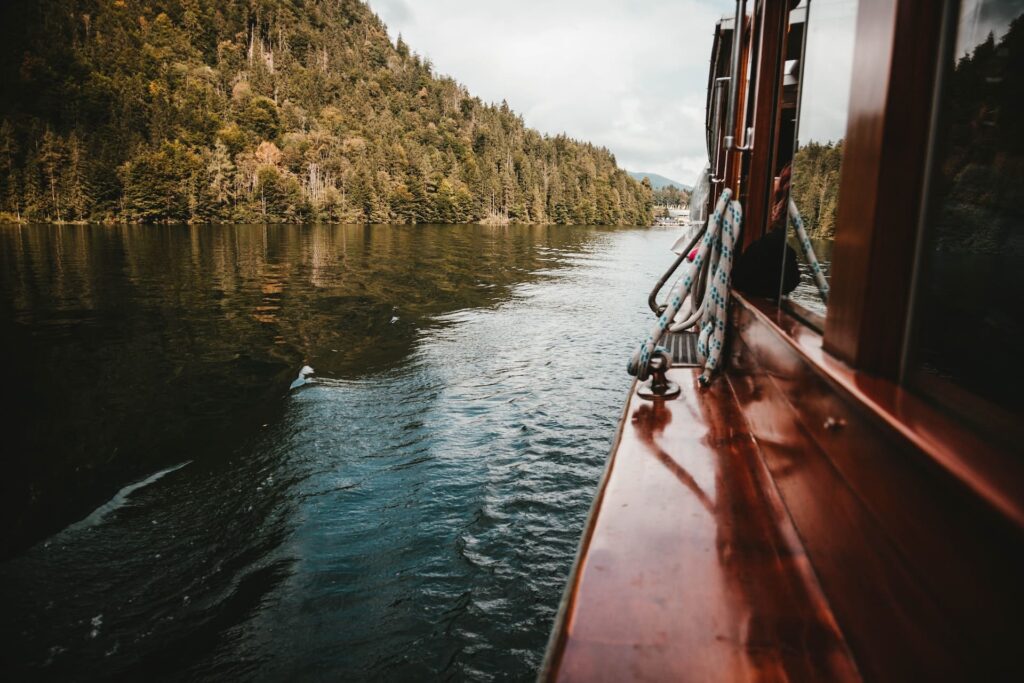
{"points": [[798, 520], [692, 570], [920, 560], [769, 78], [735, 162], [992, 474], [882, 178]]}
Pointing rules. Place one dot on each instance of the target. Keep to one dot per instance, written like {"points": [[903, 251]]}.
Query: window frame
{"points": [[979, 411], [876, 240], [860, 352], [883, 164]]}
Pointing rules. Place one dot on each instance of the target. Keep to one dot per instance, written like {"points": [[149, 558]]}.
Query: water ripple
{"points": [[407, 511]]}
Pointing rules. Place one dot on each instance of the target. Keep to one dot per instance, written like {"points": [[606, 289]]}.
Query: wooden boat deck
{"points": [[692, 569], [796, 520]]}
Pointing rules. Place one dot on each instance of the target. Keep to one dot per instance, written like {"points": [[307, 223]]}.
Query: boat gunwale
{"points": [[993, 475]]}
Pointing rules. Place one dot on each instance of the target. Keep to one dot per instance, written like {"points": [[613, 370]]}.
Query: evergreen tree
{"points": [[51, 161], [219, 187], [159, 184], [74, 180], [10, 175]]}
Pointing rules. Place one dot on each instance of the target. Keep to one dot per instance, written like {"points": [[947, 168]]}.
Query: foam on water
{"points": [[304, 374], [120, 499]]}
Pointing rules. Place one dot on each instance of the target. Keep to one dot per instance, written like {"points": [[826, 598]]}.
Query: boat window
{"points": [[815, 97], [965, 348]]}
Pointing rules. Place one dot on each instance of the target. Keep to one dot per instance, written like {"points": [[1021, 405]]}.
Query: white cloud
{"points": [[828, 71], [628, 75]]}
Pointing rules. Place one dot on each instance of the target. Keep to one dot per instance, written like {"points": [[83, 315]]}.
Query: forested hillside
{"points": [[670, 195], [267, 110], [816, 186]]}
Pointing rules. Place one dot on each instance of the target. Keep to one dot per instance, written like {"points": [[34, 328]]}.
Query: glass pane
{"points": [[821, 74], [969, 318]]}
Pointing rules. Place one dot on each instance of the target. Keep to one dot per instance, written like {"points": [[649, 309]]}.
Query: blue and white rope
{"points": [[715, 317], [716, 252], [809, 255]]}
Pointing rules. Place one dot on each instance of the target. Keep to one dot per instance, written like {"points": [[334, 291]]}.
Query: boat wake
{"points": [[120, 499]]}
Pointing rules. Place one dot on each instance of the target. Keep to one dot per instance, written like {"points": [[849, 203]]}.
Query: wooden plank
{"points": [[920, 566], [691, 569], [735, 163], [991, 473], [774, 21]]}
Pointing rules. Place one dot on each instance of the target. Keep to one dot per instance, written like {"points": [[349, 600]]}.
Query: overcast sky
{"points": [[626, 74], [828, 71], [979, 17]]}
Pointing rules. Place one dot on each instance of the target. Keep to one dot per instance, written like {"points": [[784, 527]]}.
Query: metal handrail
{"points": [[696, 305], [716, 132], [715, 256], [734, 85], [652, 300]]}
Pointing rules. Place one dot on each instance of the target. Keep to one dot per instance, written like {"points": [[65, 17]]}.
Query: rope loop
{"points": [[715, 255]]}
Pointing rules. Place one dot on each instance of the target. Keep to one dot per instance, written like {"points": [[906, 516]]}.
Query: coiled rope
{"points": [[716, 254]]}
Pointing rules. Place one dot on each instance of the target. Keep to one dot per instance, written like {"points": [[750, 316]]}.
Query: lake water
{"points": [[806, 293], [174, 506]]}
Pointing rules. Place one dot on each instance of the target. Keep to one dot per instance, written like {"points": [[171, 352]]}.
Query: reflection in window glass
{"points": [[822, 74], [969, 318]]}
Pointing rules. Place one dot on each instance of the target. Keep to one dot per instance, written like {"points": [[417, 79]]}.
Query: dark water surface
{"points": [[806, 293], [173, 508]]}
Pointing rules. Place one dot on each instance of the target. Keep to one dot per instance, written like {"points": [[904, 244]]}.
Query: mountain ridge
{"points": [[658, 182]]}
